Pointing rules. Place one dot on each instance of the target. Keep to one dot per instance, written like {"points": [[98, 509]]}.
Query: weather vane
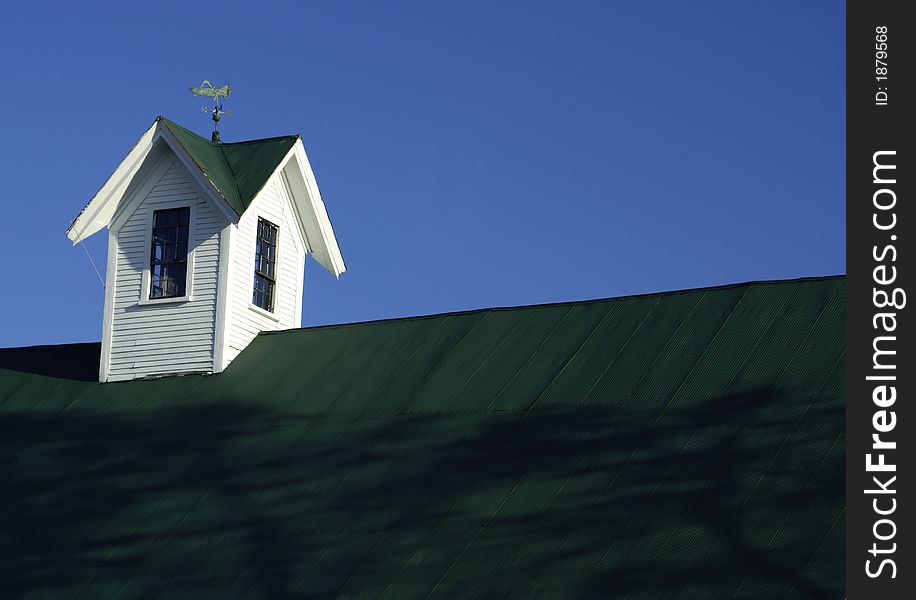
{"points": [[211, 91]]}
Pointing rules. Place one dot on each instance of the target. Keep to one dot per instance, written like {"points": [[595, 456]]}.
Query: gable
{"points": [[161, 158], [230, 173]]}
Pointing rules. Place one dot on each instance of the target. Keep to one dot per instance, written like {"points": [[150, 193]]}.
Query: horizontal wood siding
{"points": [[271, 204], [154, 339]]}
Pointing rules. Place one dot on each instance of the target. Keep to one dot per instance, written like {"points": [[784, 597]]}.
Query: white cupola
{"points": [[206, 248]]}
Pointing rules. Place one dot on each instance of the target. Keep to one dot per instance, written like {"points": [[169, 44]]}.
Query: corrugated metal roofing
{"points": [[679, 445], [238, 170]]}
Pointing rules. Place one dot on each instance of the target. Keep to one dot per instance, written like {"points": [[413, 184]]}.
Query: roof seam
{"points": [[232, 177], [782, 373], [702, 355]]}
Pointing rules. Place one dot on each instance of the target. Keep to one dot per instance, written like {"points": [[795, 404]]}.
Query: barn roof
{"points": [[684, 444]]}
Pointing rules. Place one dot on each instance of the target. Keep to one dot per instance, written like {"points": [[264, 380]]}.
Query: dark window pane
{"points": [[176, 273], [265, 265], [169, 253]]}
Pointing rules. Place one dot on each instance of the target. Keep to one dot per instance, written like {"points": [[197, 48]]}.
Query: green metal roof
{"points": [[679, 445], [238, 170]]}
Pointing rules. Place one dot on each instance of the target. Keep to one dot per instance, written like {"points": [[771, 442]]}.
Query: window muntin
{"points": [[168, 264], [265, 265]]}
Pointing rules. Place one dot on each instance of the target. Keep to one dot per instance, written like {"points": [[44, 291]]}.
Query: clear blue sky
{"points": [[471, 154]]}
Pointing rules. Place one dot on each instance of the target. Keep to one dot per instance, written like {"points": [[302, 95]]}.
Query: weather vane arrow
{"points": [[209, 90]]}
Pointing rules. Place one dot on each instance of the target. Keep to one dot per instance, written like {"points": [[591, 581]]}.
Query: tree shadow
{"points": [[232, 498]]}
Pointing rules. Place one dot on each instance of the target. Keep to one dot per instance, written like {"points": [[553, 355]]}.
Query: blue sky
{"points": [[471, 154]]}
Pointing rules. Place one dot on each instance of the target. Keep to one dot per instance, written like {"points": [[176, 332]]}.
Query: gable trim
{"points": [[86, 222], [101, 210], [124, 209], [321, 241]]}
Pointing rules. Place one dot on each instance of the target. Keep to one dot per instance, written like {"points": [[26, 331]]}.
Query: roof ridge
{"points": [[266, 139], [469, 311], [172, 123], [221, 144]]}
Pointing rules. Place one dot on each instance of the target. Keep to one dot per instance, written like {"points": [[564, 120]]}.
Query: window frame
{"points": [[147, 278], [274, 281], [178, 261]]}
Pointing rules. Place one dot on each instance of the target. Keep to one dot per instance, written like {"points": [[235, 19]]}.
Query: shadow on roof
{"points": [[79, 362], [731, 494]]}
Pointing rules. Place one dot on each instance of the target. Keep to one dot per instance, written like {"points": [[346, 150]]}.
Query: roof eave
{"points": [[325, 249], [88, 221]]}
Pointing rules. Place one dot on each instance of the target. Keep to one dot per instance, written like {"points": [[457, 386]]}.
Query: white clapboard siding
{"points": [[153, 339], [273, 204]]}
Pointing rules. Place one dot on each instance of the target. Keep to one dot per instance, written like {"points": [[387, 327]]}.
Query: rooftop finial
{"points": [[211, 91]]}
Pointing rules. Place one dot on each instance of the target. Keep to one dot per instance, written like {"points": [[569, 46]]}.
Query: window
{"points": [[265, 265], [168, 263]]}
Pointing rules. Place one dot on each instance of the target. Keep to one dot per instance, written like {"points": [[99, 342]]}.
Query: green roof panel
{"points": [[238, 170], [679, 445]]}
